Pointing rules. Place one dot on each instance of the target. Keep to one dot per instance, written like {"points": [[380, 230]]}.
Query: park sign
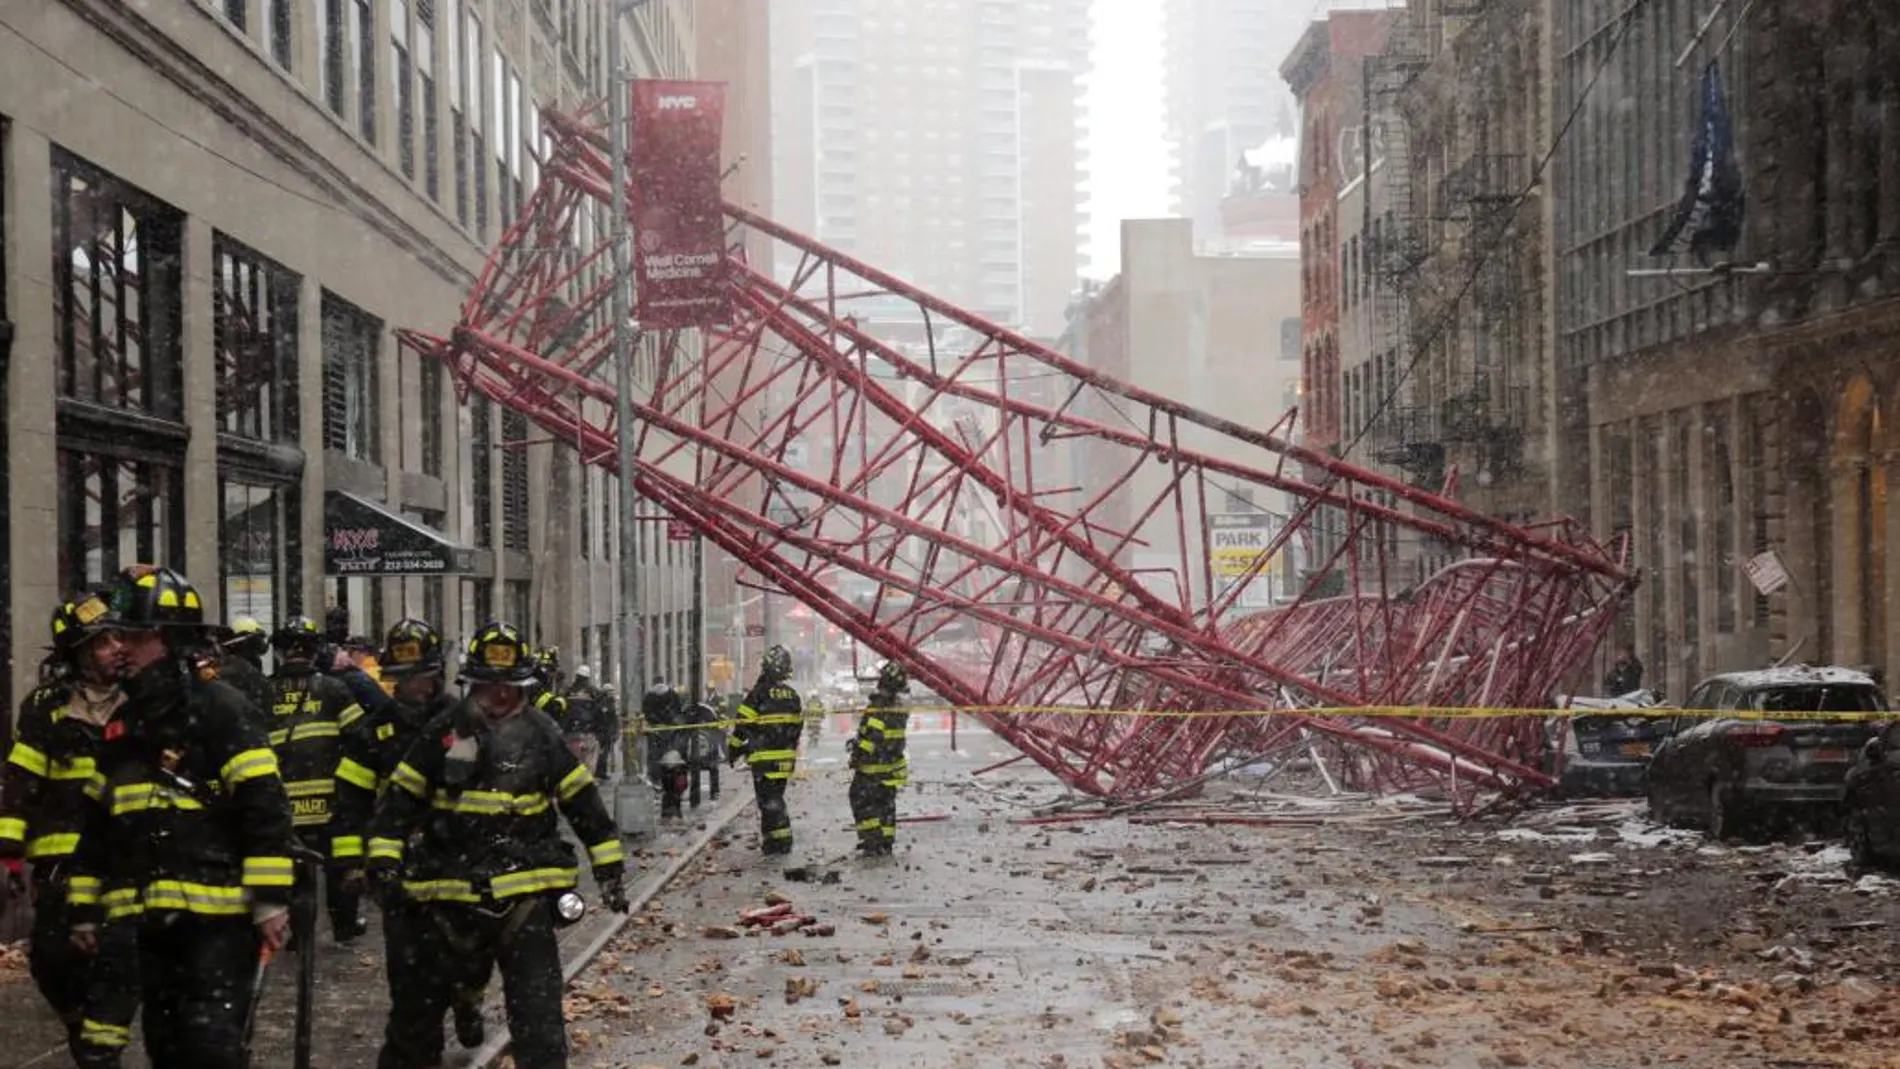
{"points": [[1237, 545]]}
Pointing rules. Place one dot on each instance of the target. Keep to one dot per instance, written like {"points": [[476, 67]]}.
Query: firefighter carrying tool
{"points": [[309, 713], [767, 737], [479, 792], [878, 763], [60, 730], [189, 837]]}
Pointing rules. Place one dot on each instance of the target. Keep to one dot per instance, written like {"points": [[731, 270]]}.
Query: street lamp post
{"points": [[626, 335]]}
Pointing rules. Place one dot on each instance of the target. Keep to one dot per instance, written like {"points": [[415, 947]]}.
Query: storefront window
{"points": [[254, 563], [115, 511]]}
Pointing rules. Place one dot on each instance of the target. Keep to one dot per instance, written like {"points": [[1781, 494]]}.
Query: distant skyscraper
{"points": [[941, 140], [1224, 95]]}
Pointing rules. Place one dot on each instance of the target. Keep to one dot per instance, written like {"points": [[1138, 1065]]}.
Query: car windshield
{"points": [[1816, 698]]}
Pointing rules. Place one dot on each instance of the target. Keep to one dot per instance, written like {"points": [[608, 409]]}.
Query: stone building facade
{"points": [[216, 214]]}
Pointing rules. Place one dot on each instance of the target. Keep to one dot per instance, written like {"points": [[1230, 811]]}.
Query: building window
{"points": [[481, 464], [425, 71], [257, 539], [234, 13], [332, 45], [116, 292], [254, 335], [363, 36], [115, 511], [517, 610], [351, 338], [405, 106], [471, 101], [514, 481], [431, 392], [279, 12]]}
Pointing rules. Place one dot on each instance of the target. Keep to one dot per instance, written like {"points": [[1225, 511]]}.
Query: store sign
{"points": [[679, 214], [1766, 572], [1236, 545], [361, 537]]}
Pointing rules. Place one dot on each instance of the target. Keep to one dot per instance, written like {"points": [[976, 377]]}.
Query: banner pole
{"points": [[625, 338]]}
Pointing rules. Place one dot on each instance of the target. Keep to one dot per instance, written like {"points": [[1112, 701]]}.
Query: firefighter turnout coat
{"points": [[189, 814], [372, 748], [878, 750], [771, 718], [484, 796], [42, 788], [309, 713]]}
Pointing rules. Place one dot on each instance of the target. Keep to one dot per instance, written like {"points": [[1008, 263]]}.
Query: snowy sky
{"points": [[1127, 154]]}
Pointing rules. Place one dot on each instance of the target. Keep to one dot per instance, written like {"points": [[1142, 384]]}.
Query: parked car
{"points": [[1870, 820], [1598, 752], [1729, 774]]}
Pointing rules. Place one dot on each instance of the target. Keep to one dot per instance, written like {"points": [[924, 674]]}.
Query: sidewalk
{"points": [[352, 993]]}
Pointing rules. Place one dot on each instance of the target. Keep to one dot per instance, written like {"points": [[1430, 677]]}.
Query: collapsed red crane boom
{"points": [[1024, 532]]}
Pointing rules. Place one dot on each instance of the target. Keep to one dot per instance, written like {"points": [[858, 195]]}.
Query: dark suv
{"points": [[1728, 773]]}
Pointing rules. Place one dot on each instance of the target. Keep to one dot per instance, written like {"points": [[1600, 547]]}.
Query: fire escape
{"points": [[953, 498]]}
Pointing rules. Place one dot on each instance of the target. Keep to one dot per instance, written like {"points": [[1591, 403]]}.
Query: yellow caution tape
{"points": [[1397, 712]]}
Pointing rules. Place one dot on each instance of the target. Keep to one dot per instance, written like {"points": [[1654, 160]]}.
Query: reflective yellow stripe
{"points": [[349, 716], [248, 765], [779, 833], [491, 803], [875, 770], [95, 788], [869, 823], [410, 780], [12, 829], [200, 898], [574, 783], [531, 881], [310, 788], [72, 768], [122, 903], [746, 712], [894, 733], [269, 872], [355, 775], [315, 729], [440, 890], [138, 797], [386, 848], [606, 853], [58, 845], [867, 745], [346, 846], [28, 758], [83, 890], [99, 1034], [761, 756]]}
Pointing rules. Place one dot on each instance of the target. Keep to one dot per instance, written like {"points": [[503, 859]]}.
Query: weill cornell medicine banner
{"points": [[678, 215]]}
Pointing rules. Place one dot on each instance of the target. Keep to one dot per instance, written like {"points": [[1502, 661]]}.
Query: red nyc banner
{"points": [[679, 260]]}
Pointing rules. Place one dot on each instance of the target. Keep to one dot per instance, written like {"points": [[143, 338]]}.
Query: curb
{"points": [[486, 1055]]}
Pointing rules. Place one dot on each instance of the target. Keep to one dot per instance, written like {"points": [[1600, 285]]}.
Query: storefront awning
{"points": [[361, 537]]}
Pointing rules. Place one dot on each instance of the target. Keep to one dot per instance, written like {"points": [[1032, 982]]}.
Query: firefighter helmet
{"points": [[661, 704], [411, 648], [78, 621], [776, 664], [297, 632], [893, 678], [149, 597], [498, 654], [245, 637]]}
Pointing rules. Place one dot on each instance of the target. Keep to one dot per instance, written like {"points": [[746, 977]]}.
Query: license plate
{"points": [[1830, 753], [1634, 749]]}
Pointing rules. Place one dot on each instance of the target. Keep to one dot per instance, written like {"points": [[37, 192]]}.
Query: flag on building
{"points": [[1709, 217]]}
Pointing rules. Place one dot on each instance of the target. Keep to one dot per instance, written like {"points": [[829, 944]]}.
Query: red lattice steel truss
{"points": [[1025, 532]]}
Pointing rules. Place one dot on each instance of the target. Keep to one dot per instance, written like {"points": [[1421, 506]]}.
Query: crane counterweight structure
{"points": [[1030, 536]]}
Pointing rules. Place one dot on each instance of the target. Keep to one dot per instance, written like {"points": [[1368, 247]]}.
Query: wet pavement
{"points": [[1349, 933], [1361, 939]]}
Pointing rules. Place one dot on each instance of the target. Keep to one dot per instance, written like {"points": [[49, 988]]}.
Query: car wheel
{"points": [[1860, 844], [1724, 816]]}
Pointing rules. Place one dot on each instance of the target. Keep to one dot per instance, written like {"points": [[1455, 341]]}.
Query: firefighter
{"points": [[665, 717], [242, 647], [542, 689], [479, 791], [878, 763], [412, 660], [60, 728], [590, 712], [309, 713], [707, 751], [190, 832], [767, 737]]}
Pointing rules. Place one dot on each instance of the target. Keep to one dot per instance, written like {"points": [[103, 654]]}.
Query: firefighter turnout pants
{"points": [[770, 777], [196, 974], [454, 947], [95, 995], [874, 807], [345, 906]]}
